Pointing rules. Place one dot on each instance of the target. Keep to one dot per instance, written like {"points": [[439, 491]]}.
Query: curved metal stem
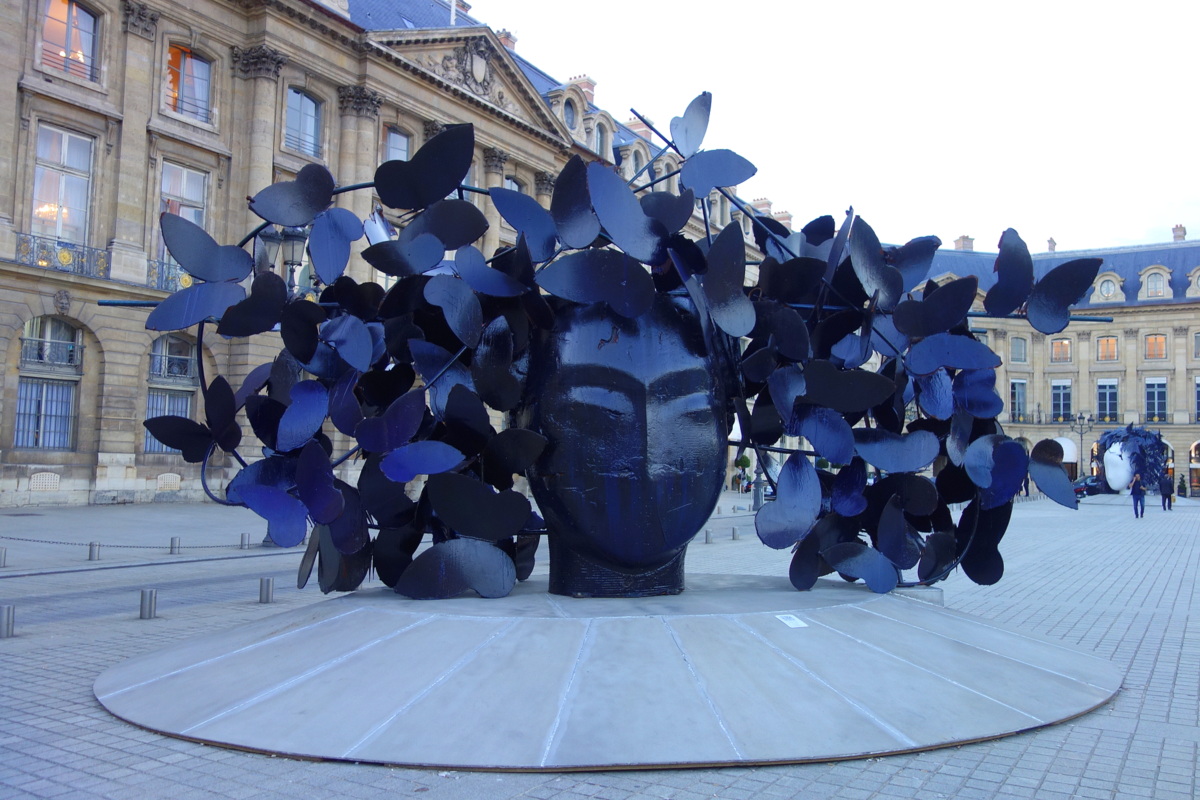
{"points": [[204, 479]]}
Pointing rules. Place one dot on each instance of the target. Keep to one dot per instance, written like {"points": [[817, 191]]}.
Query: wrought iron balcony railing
{"points": [[166, 275], [49, 253], [51, 356], [173, 369]]}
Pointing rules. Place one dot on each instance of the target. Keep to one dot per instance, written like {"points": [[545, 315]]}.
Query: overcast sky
{"points": [[1072, 120]]}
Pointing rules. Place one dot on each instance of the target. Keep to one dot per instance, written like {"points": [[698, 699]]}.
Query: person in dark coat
{"points": [[1137, 490], [1166, 488]]}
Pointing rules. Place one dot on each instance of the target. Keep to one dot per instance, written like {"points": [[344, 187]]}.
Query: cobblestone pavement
{"points": [[1095, 578]]}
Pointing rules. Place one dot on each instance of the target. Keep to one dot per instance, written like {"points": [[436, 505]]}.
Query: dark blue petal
{"points": [[731, 310], [459, 305], [450, 568], [199, 254], [314, 484], [395, 426], [593, 276], [949, 350], [859, 561], [296, 203], [709, 169], [303, 418], [419, 458], [797, 503], [622, 216], [523, 213], [472, 268], [827, 431], [194, 304], [1049, 306], [571, 206], [287, 519], [1014, 276], [892, 452], [351, 340], [687, 132], [329, 242]]}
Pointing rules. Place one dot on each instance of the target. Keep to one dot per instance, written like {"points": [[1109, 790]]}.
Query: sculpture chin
{"points": [[1118, 468], [637, 430]]}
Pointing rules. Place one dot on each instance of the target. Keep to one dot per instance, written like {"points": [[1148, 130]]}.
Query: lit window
{"points": [[569, 114], [1156, 346], [1060, 401], [1017, 350], [62, 185], [1106, 348], [1156, 399], [303, 130], [395, 147], [1106, 400], [1156, 285], [69, 39], [1060, 350], [183, 193], [189, 83], [1017, 407]]}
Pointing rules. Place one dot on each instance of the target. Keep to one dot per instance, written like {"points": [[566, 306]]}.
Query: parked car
{"points": [[1091, 484]]}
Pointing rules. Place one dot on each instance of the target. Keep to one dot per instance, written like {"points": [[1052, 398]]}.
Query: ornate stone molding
{"points": [[999, 335], [494, 160], [359, 101], [432, 128], [1037, 338], [259, 61], [62, 301], [470, 66], [1084, 336], [1180, 330], [543, 183], [140, 19], [1131, 331]]}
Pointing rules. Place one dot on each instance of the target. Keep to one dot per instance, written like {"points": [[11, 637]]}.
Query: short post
{"points": [[758, 490], [93, 551], [8, 615], [149, 603], [736, 534], [245, 544], [266, 590], [175, 545], [707, 536], [3, 556]]}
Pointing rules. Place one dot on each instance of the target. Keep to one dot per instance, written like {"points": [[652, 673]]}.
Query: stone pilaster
{"points": [[543, 183], [493, 176], [260, 64], [139, 19]]}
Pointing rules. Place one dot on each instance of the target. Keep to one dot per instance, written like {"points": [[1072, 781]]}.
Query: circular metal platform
{"points": [[737, 670]]}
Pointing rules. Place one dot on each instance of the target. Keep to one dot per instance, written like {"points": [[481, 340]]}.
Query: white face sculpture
{"points": [[1118, 467]]}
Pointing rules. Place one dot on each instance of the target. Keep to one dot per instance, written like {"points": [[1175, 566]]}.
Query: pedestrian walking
{"points": [[1166, 488], [1137, 490]]}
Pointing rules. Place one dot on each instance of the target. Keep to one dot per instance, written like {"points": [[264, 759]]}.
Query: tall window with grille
{"points": [[302, 130], [1060, 351], [47, 386], [1018, 408], [189, 83], [183, 193], [1018, 350], [1106, 348], [1106, 400], [1156, 399], [62, 183], [1156, 346], [69, 35], [1060, 400], [173, 379]]}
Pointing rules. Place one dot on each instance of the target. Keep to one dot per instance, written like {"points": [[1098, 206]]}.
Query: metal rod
{"points": [[266, 590], [149, 609], [8, 617]]}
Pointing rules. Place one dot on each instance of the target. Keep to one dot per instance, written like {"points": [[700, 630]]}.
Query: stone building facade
{"points": [[123, 109]]}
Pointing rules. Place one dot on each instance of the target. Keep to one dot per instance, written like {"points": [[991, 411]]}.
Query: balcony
{"points": [[166, 275], [47, 253], [1157, 418], [173, 369], [41, 355]]}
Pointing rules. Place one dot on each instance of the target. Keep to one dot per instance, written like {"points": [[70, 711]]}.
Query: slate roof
{"points": [[390, 15], [1178, 257]]}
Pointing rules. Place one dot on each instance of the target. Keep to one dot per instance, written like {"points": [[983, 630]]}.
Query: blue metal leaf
{"points": [[687, 132], [396, 426], [186, 307], [314, 484], [731, 310], [351, 340], [892, 452], [344, 410], [523, 213], [432, 173], [419, 458], [949, 350], [472, 268], [303, 418], [1047, 471], [1049, 305], [797, 503], [710, 169], [329, 242], [199, 255], [430, 360], [872, 269], [1014, 276], [452, 567], [459, 305], [622, 217], [287, 518], [939, 312], [895, 538], [935, 394], [975, 392], [472, 508], [859, 561], [827, 431], [296, 203], [571, 206], [847, 495], [593, 276]]}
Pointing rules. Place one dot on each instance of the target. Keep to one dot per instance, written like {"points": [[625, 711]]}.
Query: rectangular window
{"points": [[396, 145], [1017, 407], [45, 414], [162, 403], [1060, 401], [1196, 345], [183, 193], [1156, 399], [62, 185], [189, 83], [1106, 348], [1060, 350], [69, 39], [1156, 345], [1106, 400], [303, 130], [1017, 350], [1197, 399]]}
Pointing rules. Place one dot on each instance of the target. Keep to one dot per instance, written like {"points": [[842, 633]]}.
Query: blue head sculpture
{"points": [[636, 421]]}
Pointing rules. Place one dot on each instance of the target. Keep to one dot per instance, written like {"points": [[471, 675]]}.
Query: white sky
{"points": [[1058, 118]]}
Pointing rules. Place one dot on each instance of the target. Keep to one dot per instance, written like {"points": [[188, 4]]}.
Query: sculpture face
{"points": [[1118, 467], [637, 434]]}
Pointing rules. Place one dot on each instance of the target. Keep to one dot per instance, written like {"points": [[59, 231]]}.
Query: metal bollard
{"points": [[718, 511], [736, 534], [93, 551], [3, 556], [8, 615], [245, 544], [707, 536], [149, 603], [174, 545], [266, 590]]}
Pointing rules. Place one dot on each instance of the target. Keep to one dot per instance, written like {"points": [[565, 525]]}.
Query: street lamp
{"points": [[1082, 425], [294, 240]]}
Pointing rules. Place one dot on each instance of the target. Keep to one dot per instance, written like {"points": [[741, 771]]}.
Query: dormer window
{"points": [[1156, 285], [569, 114]]}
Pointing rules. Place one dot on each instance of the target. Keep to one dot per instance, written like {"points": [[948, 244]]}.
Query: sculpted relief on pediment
{"points": [[472, 66]]}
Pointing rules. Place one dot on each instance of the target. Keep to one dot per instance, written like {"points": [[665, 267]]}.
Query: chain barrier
{"points": [[108, 546]]}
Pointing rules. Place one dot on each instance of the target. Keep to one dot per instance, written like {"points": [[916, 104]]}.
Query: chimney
{"points": [[507, 39], [586, 85], [1051, 244], [964, 243], [784, 218], [639, 127], [762, 207], [1179, 233]]}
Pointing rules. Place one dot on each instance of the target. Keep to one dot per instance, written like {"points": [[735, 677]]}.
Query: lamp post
{"points": [[1082, 425], [294, 240]]}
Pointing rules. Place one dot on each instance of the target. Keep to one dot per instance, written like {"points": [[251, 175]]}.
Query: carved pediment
{"points": [[474, 61]]}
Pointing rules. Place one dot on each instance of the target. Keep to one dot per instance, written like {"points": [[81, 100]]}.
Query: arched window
{"points": [[637, 162], [602, 141], [189, 83], [303, 129], [48, 385], [172, 379], [69, 39], [569, 115], [1156, 285], [510, 182]]}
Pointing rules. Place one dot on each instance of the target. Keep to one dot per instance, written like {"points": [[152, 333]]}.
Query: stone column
{"points": [[1179, 392], [1087, 402], [1131, 390], [260, 65], [544, 186], [359, 107], [493, 176]]}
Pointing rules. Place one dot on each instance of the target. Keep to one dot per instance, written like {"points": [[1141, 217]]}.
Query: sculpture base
{"points": [[575, 575], [737, 670]]}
